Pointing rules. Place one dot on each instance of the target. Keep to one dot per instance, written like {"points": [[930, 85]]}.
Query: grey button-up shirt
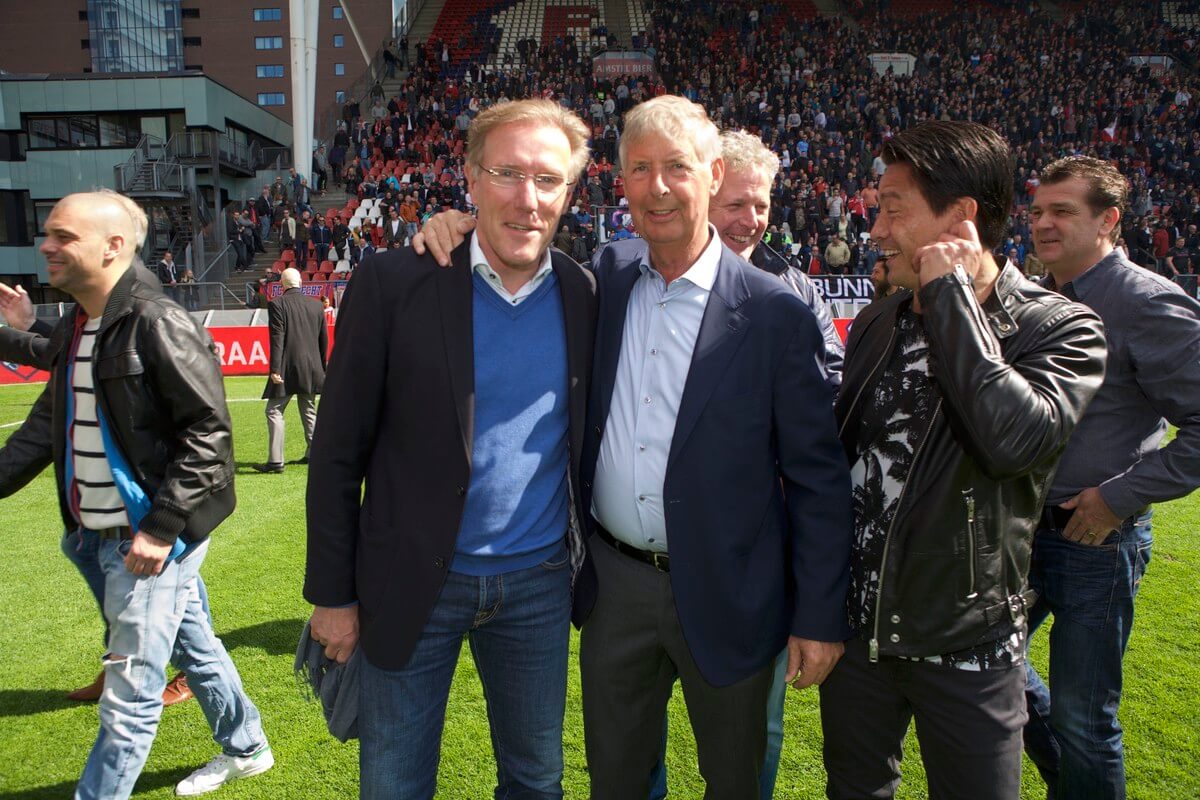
{"points": [[661, 325], [1153, 377]]}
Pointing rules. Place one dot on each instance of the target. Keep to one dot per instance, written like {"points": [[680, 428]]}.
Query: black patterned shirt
{"points": [[894, 420]]}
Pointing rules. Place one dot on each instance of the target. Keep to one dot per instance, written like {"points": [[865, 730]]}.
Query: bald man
{"points": [[134, 420]]}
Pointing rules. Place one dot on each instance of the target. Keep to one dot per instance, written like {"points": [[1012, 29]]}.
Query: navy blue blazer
{"points": [[757, 490]]}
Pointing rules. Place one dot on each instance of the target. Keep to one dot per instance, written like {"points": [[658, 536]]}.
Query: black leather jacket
{"points": [[159, 388], [766, 258], [1015, 376]]}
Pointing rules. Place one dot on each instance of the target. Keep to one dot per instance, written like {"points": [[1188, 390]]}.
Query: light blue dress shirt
{"points": [[480, 264], [661, 326]]}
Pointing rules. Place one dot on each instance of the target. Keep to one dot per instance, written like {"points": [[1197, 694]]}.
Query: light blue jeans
{"points": [[153, 619], [83, 550]]}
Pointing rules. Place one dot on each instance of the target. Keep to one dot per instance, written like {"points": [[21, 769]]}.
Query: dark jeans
{"points": [[631, 652], [518, 626], [968, 724], [1073, 736]]}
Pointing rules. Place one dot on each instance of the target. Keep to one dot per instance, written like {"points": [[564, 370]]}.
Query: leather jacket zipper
{"points": [[873, 645], [969, 500]]}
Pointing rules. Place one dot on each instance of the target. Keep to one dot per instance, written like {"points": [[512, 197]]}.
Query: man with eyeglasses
{"points": [[458, 397]]}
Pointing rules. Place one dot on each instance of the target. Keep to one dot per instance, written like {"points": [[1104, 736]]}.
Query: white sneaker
{"points": [[223, 769]]}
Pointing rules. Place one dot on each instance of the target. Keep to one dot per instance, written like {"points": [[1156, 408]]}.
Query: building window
{"points": [[337, 12], [85, 44], [18, 222], [339, 69], [81, 131], [269, 71], [267, 15], [339, 97], [189, 13], [41, 211], [192, 41], [339, 40], [13, 145], [83, 17], [268, 42], [271, 99]]}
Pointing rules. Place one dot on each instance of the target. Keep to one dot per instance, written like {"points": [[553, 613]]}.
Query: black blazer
{"points": [[757, 490], [398, 413], [299, 344]]}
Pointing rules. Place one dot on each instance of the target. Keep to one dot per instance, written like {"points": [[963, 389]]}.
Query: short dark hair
{"points": [[954, 159], [1107, 187]]}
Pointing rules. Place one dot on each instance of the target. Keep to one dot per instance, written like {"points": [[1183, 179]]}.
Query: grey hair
{"points": [[742, 151], [676, 118]]}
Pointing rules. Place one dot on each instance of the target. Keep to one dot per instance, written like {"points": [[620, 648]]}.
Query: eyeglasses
{"points": [[547, 185]]}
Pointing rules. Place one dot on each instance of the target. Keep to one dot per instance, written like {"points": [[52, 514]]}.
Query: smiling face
{"points": [[906, 223], [669, 190], [1067, 235], [74, 248], [515, 225], [740, 210]]}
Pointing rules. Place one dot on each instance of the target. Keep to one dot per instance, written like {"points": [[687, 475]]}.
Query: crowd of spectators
{"points": [[807, 87]]}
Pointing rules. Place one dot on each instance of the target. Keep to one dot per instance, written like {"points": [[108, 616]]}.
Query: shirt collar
{"points": [[1093, 274], [479, 263], [703, 272]]}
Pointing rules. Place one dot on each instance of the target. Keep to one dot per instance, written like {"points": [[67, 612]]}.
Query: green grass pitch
{"points": [[50, 642]]}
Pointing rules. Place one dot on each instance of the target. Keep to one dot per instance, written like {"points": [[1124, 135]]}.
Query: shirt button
{"points": [[462, 490], [653, 351], [641, 447], [641, 498], [646, 400], [895, 637], [649, 540], [439, 562], [662, 305], [895, 618]]}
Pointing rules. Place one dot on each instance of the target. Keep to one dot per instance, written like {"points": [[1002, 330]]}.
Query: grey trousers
{"points": [[968, 725], [275, 409], [631, 653]]}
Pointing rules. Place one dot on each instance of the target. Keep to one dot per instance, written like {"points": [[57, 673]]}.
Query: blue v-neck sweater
{"points": [[516, 510]]}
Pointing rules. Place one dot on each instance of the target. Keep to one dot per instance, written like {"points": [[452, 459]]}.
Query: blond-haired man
{"points": [[458, 397]]}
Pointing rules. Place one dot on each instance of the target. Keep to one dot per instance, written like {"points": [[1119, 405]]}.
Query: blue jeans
{"points": [[518, 626], [1073, 736], [152, 620], [82, 550], [770, 768]]}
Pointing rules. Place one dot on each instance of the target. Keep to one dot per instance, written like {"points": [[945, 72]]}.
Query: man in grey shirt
{"points": [[1093, 544]]}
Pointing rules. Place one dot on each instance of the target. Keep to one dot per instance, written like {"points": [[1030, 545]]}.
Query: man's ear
{"points": [[1110, 219], [965, 208]]}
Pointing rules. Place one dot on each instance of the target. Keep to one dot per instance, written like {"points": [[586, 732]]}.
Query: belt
{"points": [[660, 561], [120, 533], [1056, 518]]}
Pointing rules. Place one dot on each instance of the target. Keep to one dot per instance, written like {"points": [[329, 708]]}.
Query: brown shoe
{"points": [[177, 690], [90, 693]]}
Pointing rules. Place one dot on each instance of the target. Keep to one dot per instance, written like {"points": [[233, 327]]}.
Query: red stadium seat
{"points": [[287, 256]]}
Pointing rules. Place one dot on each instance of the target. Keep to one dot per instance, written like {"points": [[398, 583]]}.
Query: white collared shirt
{"points": [[479, 264], [662, 323]]}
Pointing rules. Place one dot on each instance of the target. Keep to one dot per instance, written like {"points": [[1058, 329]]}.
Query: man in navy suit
{"points": [[718, 492]]}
